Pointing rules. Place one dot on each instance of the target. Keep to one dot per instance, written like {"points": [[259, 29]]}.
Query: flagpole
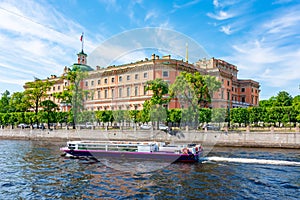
{"points": [[82, 42]]}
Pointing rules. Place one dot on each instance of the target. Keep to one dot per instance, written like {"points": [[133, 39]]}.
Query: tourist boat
{"points": [[159, 151]]}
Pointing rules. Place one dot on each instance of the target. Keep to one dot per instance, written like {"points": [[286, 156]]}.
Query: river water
{"points": [[36, 170]]}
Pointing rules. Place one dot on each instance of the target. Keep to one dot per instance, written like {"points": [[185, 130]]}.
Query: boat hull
{"points": [[155, 156]]}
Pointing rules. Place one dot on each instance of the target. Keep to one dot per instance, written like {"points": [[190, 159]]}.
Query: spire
{"points": [[186, 53]]}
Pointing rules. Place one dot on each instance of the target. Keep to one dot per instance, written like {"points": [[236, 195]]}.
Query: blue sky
{"points": [[262, 38]]}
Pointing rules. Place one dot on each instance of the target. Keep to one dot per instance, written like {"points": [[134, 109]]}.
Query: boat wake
{"points": [[252, 161]]}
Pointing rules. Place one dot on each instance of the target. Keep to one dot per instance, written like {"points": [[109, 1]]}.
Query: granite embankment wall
{"points": [[209, 138]]}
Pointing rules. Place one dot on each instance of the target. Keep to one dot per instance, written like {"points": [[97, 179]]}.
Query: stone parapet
{"points": [[209, 138]]}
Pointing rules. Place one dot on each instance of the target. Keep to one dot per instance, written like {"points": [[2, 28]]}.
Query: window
{"points": [[228, 83], [92, 83], [105, 94], [228, 95], [120, 92], [128, 77], [105, 81], [112, 80], [145, 91], [86, 83], [243, 99], [53, 88], [136, 76], [242, 89], [128, 91], [136, 90], [165, 74], [120, 78], [58, 87], [145, 75], [99, 94], [99, 82], [112, 93]]}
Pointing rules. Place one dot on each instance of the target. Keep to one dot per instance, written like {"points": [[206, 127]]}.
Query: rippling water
{"points": [[35, 170]]}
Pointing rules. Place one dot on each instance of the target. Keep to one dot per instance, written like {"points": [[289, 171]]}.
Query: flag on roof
{"points": [[81, 37]]}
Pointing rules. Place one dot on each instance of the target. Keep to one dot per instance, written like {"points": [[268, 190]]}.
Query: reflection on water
{"points": [[35, 170]]}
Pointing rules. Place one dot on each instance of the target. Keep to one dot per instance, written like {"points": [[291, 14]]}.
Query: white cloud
{"points": [[270, 51], [284, 22], [189, 3], [111, 5], [226, 29], [221, 15], [150, 14], [31, 44], [216, 3]]}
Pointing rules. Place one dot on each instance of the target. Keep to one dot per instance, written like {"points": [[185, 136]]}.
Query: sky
{"points": [[262, 38]]}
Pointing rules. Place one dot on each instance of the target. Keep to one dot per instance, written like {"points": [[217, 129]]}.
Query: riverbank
{"points": [[207, 138]]}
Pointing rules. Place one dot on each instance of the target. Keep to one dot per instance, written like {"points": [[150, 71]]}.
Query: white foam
{"points": [[253, 161]]}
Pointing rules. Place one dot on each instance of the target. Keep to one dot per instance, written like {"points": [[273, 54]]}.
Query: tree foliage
{"points": [[35, 91]]}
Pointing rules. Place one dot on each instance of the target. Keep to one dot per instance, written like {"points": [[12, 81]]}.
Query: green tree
{"points": [[4, 102], [283, 99], [218, 115], [19, 102], [205, 115], [76, 76], [174, 116], [35, 92], [193, 91], [267, 103], [160, 89], [212, 84], [239, 115], [49, 107], [145, 113], [256, 114], [105, 116]]}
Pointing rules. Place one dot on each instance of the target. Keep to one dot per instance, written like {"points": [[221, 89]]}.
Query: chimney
{"points": [[153, 57]]}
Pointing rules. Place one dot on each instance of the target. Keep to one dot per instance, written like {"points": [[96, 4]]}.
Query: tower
{"points": [[82, 58], [81, 55]]}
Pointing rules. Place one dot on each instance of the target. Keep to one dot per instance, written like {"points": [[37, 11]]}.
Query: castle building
{"points": [[122, 87]]}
